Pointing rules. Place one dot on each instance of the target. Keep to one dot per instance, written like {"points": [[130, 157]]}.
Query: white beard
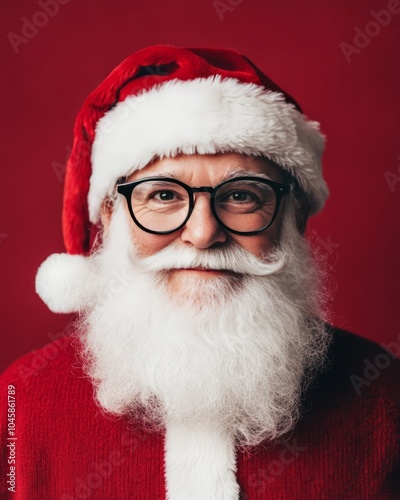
{"points": [[231, 353]]}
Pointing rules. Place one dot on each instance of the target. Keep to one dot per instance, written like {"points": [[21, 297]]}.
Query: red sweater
{"points": [[346, 445]]}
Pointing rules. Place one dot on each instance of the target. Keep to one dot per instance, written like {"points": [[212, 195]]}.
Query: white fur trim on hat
{"points": [[205, 116], [200, 464], [61, 282]]}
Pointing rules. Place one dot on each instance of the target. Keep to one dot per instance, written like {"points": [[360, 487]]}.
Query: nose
{"points": [[202, 229]]}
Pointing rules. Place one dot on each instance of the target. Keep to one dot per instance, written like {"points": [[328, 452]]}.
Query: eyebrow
{"points": [[246, 173], [231, 175]]}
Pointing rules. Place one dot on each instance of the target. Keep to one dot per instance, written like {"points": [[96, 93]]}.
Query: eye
{"points": [[245, 196], [164, 195], [239, 201], [240, 197]]}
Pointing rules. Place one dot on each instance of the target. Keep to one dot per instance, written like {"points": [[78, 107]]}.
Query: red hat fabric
{"points": [[144, 72], [164, 100]]}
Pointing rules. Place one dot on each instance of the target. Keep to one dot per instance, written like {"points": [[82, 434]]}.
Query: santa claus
{"points": [[201, 366]]}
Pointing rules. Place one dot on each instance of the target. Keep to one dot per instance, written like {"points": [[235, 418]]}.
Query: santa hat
{"points": [[159, 102]]}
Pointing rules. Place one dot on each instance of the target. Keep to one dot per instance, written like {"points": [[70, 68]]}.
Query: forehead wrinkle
{"points": [[156, 175], [239, 172]]}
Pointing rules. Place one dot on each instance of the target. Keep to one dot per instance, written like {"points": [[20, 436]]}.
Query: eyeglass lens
{"points": [[242, 205]]}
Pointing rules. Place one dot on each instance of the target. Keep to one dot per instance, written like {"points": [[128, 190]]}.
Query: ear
{"points": [[302, 210], [300, 200], [106, 211]]}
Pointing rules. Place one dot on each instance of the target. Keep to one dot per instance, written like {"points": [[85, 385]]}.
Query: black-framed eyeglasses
{"points": [[241, 205]]}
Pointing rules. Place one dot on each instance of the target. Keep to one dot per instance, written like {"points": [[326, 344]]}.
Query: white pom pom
{"points": [[61, 282]]}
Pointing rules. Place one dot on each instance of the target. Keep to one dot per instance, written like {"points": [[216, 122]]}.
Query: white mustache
{"points": [[233, 258]]}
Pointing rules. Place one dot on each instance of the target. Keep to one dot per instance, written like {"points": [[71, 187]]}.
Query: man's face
{"points": [[249, 329], [202, 231]]}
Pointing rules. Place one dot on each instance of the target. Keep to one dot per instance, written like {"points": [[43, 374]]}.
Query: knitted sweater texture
{"points": [[345, 446]]}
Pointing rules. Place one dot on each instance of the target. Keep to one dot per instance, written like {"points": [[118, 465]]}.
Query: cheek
{"points": [[257, 245], [261, 244], [147, 244]]}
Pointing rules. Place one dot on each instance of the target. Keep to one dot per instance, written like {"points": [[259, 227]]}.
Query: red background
{"points": [[297, 44]]}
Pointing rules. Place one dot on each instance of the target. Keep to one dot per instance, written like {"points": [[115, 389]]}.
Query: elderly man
{"points": [[200, 366]]}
